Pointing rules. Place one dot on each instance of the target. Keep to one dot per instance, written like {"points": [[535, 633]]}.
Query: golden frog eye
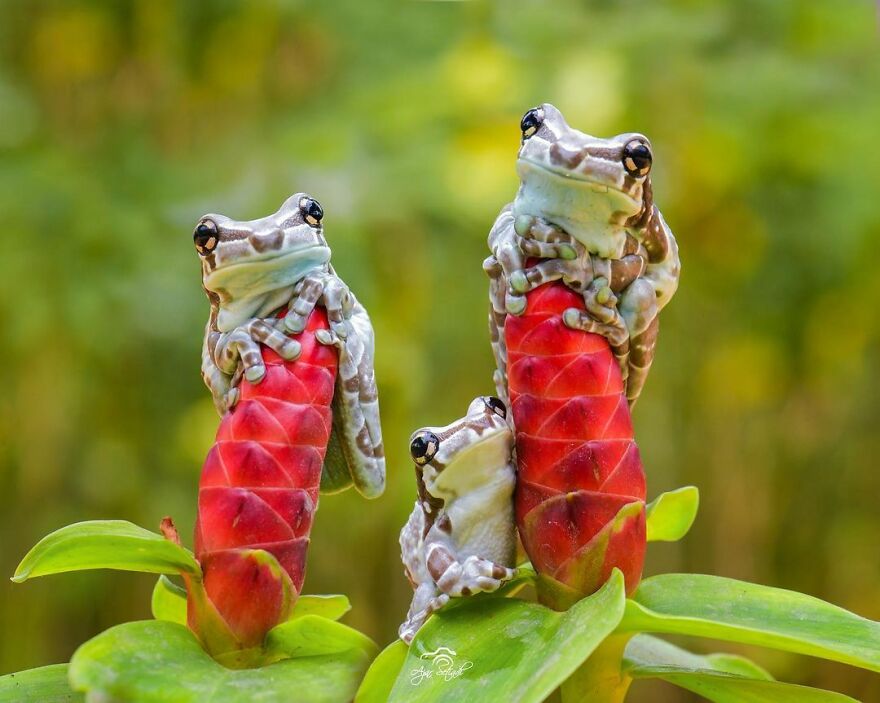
{"points": [[496, 405], [206, 237], [531, 122], [423, 446], [637, 158], [312, 211]]}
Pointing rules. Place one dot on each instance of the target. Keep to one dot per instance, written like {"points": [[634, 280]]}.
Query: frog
{"points": [[253, 269], [460, 538], [584, 214]]}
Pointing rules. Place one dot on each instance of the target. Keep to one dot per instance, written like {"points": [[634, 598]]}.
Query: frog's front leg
{"points": [[426, 601], [462, 578], [356, 402]]}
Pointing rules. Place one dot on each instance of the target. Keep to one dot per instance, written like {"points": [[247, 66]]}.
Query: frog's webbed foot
{"points": [[356, 402], [564, 258], [241, 346], [426, 601], [320, 287], [603, 318], [463, 578]]}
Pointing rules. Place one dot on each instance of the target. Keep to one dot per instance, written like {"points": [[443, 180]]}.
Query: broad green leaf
{"points": [[725, 609], [505, 649], [722, 678], [311, 635], [169, 601], [155, 661], [644, 652], [670, 515], [377, 684], [331, 607], [105, 544], [48, 684]]}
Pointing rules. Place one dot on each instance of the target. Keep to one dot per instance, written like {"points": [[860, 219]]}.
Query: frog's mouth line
{"points": [[569, 177]]}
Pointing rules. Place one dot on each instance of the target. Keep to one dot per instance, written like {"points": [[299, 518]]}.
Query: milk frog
{"points": [[253, 269], [461, 536], [585, 206]]}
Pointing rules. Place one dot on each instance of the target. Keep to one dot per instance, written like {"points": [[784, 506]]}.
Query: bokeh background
{"points": [[121, 123]]}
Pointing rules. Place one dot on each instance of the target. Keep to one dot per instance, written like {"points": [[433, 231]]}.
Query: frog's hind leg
{"points": [[356, 404], [639, 308]]}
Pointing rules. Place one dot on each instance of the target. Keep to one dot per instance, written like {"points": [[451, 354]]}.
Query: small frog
{"points": [[586, 207], [461, 536], [252, 269]]}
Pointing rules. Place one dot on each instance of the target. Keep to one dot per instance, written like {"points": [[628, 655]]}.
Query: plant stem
{"points": [[600, 679]]}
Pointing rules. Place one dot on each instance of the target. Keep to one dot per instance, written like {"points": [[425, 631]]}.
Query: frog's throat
{"points": [[257, 287], [594, 213], [475, 465]]}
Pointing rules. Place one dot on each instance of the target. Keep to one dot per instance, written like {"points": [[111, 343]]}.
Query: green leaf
{"points": [[644, 652], [377, 684], [105, 544], [331, 607], [155, 661], [310, 635], [725, 609], [169, 601], [505, 649], [717, 677], [670, 515], [48, 684]]}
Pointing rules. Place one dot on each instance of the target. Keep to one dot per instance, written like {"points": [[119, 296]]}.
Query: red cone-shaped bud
{"points": [[258, 494], [580, 496]]}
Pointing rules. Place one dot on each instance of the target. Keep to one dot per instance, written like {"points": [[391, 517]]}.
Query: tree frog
{"points": [[250, 271], [585, 206], [461, 536]]}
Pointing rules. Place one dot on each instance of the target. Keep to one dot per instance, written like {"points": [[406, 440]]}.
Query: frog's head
{"points": [[460, 457], [249, 267], [595, 189]]}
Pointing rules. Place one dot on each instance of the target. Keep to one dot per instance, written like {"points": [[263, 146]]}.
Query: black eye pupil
{"points": [[423, 447], [531, 122], [637, 159], [497, 406], [205, 237], [312, 211]]}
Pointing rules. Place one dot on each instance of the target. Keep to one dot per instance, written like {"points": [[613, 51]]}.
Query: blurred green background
{"points": [[121, 123]]}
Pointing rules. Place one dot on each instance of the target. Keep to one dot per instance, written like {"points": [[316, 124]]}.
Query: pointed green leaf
{"points": [[169, 601], [48, 684], [644, 652], [504, 649], [383, 672], [725, 609], [670, 515], [717, 677], [156, 661], [105, 544], [331, 607], [310, 635]]}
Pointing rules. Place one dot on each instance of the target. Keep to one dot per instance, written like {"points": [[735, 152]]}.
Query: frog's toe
{"points": [[294, 323], [518, 281], [255, 374], [515, 304], [290, 350]]}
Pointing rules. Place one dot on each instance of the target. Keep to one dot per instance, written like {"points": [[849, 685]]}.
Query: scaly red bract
{"points": [[259, 490], [580, 496]]}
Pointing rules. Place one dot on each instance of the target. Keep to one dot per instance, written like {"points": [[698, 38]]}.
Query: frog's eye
{"points": [[312, 211], [205, 237], [637, 158], [531, 122], [423, 447], [496, 405]]}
